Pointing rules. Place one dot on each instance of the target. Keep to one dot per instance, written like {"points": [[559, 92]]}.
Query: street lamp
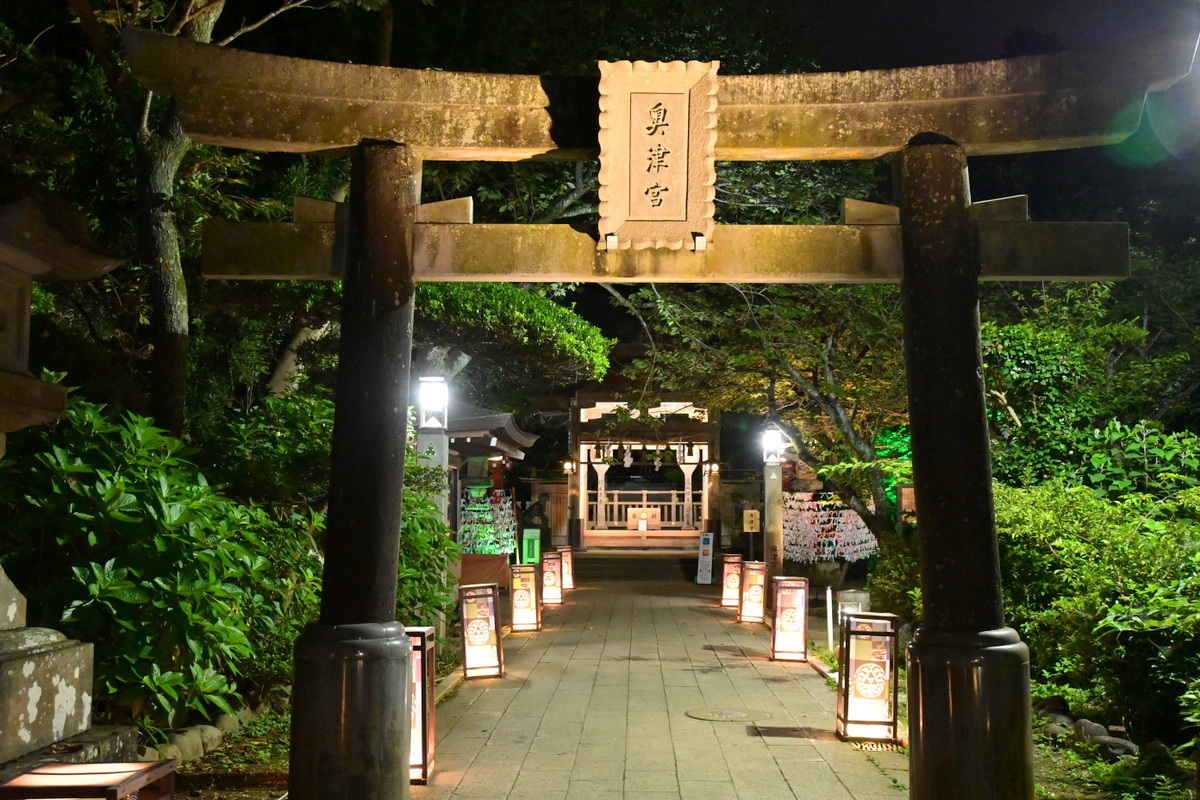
{"points": [[569, 467], [773, 444], [433, 403]]}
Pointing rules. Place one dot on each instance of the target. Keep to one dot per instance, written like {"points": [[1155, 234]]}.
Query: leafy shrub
{"points": [[424, 589], [113, 532], [1098, 588], [276, 452], [1123, 459], [279, 452]]}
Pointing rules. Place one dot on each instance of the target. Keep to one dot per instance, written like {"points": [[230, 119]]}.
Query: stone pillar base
{"points": [[351, 708], [969, 715]]}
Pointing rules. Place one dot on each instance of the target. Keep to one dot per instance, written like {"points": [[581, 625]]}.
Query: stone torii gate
{"points": [[969, 691]]}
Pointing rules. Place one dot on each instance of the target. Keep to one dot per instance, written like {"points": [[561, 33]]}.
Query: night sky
{"points": [[879, 34]]}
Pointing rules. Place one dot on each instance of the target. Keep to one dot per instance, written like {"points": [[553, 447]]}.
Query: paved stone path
{"points": [[593, 707]]}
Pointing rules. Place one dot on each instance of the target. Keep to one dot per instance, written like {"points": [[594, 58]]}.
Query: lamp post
{"points": [[433, 418], [576, 489], [709, 508], [773, 444]]}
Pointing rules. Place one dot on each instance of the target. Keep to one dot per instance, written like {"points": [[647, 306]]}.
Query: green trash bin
{"points": [[531, 545]]}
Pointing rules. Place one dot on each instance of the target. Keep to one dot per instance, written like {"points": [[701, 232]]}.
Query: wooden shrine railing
{"points": [[672, 507]]}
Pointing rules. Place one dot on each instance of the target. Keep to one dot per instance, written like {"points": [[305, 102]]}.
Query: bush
{"points": [[116, 535], [1099, 590]]}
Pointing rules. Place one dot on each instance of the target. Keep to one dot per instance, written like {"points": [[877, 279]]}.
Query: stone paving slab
{"points": [[594, 707]]}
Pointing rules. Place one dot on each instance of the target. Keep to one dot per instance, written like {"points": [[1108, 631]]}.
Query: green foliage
{"points": [[125, 542], [527, 332], [825, 361], [425, 590], [1099, 590], [1062, 368], [277, 452], [1163, 620], [1141, 458]]}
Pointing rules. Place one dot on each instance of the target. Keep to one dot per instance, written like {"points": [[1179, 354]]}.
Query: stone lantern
{"points": [[45, 679]]}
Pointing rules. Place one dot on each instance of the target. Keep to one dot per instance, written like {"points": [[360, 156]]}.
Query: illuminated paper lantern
{"points": [[526, 605], [789, 634], [146, 779], [552, 579], [568, 566], [424, 687], [866, 692], [754, 592], [483, 657], [731, 580]]}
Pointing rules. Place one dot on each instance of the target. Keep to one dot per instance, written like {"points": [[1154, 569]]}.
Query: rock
{"points": [[1086, 730], [1055, 729], [149, 754], [1112, 748], [210, 737], [1056, 704], [189, 744], [170, 751], [228, 723], [1118, 731], [1156, 759], [280, 697], [246, 715]]}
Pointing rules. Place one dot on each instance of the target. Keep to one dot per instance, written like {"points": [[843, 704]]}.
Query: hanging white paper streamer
{"points": [[816, 527]]}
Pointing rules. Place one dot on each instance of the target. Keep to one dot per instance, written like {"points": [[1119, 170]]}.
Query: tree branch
{"points": [[287, 6], [585, 174], [118, 79]]}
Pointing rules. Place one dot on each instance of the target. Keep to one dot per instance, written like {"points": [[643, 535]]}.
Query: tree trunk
{"points": [[158, 160], [159, 153], [282, 380], [439, 360]]}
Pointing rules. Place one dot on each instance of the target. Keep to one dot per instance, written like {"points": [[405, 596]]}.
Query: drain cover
{"points": [[728, 714], [878, 747]]}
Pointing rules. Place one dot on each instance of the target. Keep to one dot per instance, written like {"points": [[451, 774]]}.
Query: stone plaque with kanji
{"points": [[658, 133]]}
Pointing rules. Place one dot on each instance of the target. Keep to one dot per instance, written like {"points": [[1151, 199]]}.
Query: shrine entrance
{"points": [[659, 130], [641, 483]]}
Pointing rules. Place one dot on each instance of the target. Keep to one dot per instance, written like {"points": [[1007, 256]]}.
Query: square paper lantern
{"points": [[754, 592], [424, 687], [150, 780], [483, 657], [866, 692], [568, 566], [526, 605], [731, 580], [789, 634], [552, 579]]}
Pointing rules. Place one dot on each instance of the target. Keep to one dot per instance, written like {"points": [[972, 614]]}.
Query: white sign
{"points": [[704, 566]]}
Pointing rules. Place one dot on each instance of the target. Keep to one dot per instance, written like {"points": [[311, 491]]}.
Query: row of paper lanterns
{"points": [[482, 652], [867, 690]]}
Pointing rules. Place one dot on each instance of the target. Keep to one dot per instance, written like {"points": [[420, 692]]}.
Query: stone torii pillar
{"points": [[351, 718], [968, 680]]}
